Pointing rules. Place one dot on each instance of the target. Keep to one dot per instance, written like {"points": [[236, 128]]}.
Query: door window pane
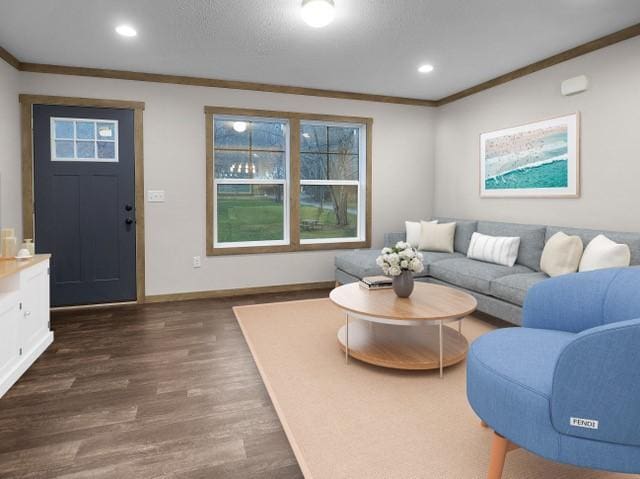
{"points": [[106, 131], [63, 129], [64, 149], [85, 130], [106, 150], [86, 149], [328, 211], [250, 212]]}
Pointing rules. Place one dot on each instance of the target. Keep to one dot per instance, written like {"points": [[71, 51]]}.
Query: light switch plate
{"points": [[155, 196]]}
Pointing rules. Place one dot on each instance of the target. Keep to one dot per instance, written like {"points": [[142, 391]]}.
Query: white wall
{"points": [[10, 181], [174, 153], [409, 180], [610, 146]]}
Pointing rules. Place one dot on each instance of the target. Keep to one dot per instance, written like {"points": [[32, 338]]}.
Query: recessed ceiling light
{"points": [[126, 31], [240, 126], [318, 13], [426, 68]]}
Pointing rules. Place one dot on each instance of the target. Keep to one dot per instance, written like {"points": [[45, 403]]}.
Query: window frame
{"points": [[76, 159], [360, 183], [285, 183], [293, 184]]}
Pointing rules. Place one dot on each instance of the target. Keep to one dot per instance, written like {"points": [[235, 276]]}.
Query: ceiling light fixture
{"points": [[126, 31], [426, 68], [240, 126], [318, 13]]}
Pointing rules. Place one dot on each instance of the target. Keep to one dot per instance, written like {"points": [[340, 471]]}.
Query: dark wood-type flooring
{"points": [[161, 390]]}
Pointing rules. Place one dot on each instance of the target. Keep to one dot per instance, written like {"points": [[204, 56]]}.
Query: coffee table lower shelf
{"points": [[403, 347]]}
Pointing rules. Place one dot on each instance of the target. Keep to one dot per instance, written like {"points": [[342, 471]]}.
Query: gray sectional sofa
{"points": [[500, 290]]}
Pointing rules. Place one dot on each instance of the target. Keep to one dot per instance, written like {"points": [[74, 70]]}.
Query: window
{"points": [[251, 173], [279, 181], [74, 139], [330, 157]]}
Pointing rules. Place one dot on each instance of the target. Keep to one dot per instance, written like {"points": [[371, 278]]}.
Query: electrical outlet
{"points": [[155, 196], [196, 262]]}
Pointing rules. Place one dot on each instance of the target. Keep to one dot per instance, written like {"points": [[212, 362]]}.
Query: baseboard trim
{"points": [[230, 293], [92, 306]]}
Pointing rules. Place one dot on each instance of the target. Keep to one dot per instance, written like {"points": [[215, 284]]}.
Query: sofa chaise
{"points": [[499, 290]]}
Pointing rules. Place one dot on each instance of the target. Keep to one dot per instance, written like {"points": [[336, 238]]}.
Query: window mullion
{"points": [[294, 196], [330, 182], [248, 181]]}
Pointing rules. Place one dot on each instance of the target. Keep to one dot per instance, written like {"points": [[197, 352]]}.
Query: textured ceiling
{"points": [[373, 46]]}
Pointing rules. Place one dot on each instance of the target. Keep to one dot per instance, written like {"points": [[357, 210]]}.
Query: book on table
{"points": [[376, 282]]}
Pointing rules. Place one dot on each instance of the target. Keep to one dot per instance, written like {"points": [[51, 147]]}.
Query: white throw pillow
{"points": [[437, 237], [561, 254], [602, 253], [413, 229], [494, 249]]}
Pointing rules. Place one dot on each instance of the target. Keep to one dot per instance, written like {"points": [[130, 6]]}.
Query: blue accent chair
{"points": [[565, 386]]}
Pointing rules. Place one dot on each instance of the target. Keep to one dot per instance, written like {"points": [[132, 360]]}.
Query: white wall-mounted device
{"points": [[574, 85], [155, 196]]}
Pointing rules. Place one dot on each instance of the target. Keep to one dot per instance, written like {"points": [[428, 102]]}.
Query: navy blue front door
{"points": [[84, 191]]}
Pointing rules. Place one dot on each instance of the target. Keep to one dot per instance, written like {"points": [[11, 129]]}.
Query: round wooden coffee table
{"points": [[404, 333]]}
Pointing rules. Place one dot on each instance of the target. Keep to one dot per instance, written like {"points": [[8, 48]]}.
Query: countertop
{"points": [[9, 267]]}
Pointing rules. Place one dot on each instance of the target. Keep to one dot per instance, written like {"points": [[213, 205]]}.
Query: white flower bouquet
{"points": [[402, 257]]}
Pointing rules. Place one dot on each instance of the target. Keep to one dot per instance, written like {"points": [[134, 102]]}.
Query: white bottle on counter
{"points": [[29, 246]]}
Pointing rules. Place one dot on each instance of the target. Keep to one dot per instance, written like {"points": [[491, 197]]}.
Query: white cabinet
{"points": [[9, 321], [24, 316], [34, 302]]}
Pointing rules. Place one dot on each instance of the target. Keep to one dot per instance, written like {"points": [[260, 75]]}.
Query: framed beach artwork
{"points": [[540, 159]]}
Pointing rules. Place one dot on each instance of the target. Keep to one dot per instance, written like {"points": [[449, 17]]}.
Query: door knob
{"points": [[128, 207], [128, 221]]}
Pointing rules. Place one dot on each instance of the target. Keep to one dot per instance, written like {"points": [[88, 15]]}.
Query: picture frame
{"points": [[534, 160]]}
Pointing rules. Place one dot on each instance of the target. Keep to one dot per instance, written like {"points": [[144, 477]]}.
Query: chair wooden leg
{"points": [[499, 448]]}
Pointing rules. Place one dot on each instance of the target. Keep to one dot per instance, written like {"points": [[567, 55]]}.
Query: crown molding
{"points": [[602, 42], [217, 83], [597, 44], [10, 59]]}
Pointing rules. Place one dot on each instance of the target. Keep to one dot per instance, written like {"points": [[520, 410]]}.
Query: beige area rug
{"points": [[359, 421]]}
